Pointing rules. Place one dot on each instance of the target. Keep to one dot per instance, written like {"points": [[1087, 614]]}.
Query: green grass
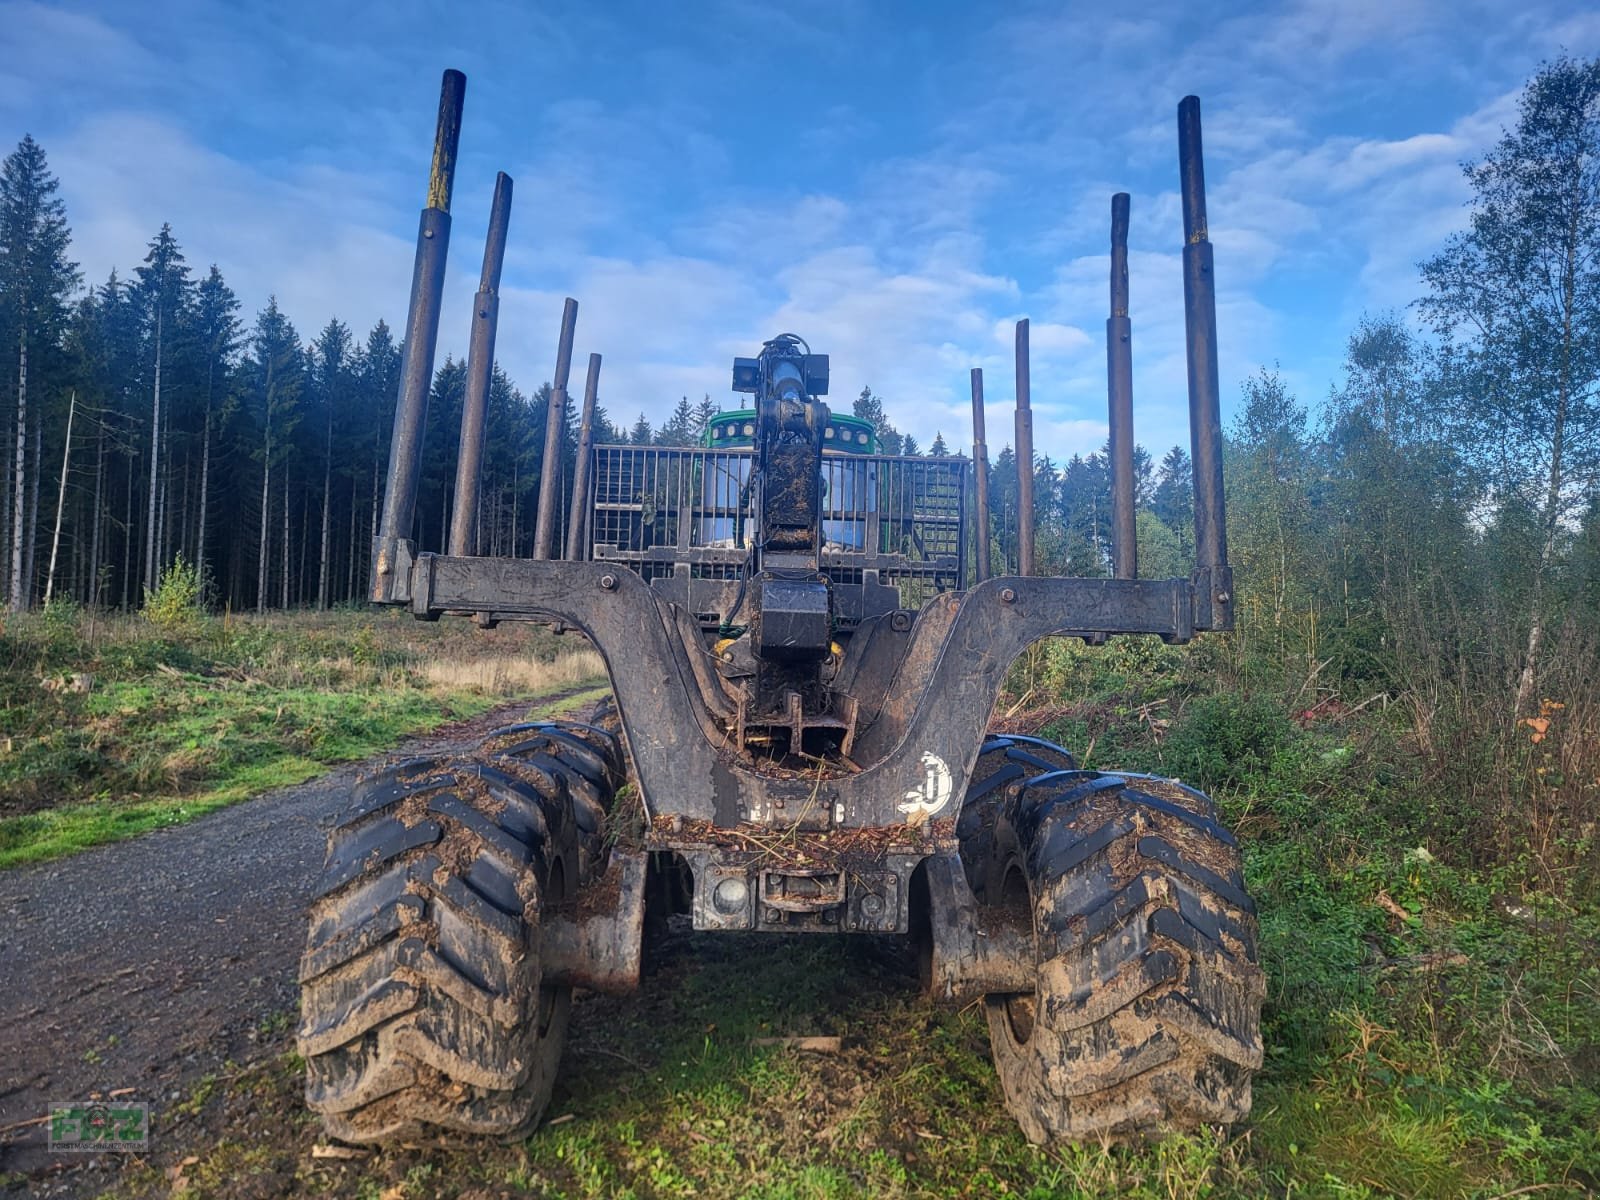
{"points": [[176, 727], [665, 1094], [1432, 1022], [264, 763]]}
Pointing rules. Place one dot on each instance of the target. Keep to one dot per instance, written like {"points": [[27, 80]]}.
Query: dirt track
{"points": [[148, 962]]}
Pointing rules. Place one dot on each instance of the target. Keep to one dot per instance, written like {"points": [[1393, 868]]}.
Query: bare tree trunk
{"points": [[205, 473], [302, 596], [128, 566], [152, 530], [1552, 501], [266, 502], [1527, 680], [61, 502], [183, 512], [19, 600], [28, 575], [5, 516], [366, 558], [164, 521], [72, 575], [327, 497], [94, 538], [284, 604], [350, 566]]}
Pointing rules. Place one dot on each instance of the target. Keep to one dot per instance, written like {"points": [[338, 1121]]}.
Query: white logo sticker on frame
{"points": [[930, 797]]}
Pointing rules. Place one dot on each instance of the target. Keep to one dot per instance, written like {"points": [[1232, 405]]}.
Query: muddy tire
{"points": [[1147, 1011], [1005, 763], [583, 759], [423, 1007]]}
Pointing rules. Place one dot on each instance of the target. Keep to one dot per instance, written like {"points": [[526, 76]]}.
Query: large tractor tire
{"points": [[1147, 1010], [424, 1008]]}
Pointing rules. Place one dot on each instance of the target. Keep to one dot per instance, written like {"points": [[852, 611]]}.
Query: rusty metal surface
{"points": [[447, 135], [914, 758], [1205, 414], [1024, 453], [1119, 390], [578, 518], [421, 337], [480, 369], [544, 533], [982, 567], [800, 880]]}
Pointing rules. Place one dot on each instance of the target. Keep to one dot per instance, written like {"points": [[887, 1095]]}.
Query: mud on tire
{"points": [[1148, 1004], [423, 1002]]}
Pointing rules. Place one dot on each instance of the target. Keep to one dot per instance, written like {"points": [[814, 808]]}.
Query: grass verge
{"points": [[120, 730]]}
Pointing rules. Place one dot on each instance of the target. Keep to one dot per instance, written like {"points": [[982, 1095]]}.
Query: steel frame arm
{"points": [[955, 660]]}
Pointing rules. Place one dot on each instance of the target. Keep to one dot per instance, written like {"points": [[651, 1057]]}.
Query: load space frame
{"points": [[867, 660]]}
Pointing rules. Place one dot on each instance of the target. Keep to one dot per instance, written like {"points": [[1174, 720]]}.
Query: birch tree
{"points": [[1516, 296]]}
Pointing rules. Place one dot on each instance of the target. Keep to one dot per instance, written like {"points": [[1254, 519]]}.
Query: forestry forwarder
{"points": [[802, 675]]}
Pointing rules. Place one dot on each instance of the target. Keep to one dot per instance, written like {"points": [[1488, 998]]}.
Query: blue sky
{"points": [[896, 183]]}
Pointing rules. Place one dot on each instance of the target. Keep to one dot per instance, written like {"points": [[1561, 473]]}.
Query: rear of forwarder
{"points": [[805, 644]]}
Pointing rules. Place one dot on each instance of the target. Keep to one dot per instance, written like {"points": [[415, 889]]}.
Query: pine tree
{"points": [[604, 432], [1082, 495], [641, 434], [679, 429], [162, 295], [439, 453], [277, 377], [938, 449], [869, 407], [331, 354], [377, 385], [1173, 500], [121, 425], [216, 323], [1003, 506], [35, 279], [703, 413]]}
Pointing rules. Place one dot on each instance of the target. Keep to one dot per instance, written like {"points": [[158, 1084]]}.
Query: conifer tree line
{"points": [[146, 420], [1439, 505]]}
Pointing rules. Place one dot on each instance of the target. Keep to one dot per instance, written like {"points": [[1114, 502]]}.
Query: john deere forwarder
{"points": [[805, 646]]}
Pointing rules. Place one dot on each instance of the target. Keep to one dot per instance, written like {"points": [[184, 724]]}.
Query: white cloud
{"points": [[966, 180]]}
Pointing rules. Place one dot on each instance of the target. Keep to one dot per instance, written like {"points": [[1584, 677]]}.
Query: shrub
{"points": [[176, 607], [58, 625], [1226, 739]]}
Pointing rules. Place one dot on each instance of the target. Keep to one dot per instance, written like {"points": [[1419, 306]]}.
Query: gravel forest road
{"points": [[143, 964]]}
